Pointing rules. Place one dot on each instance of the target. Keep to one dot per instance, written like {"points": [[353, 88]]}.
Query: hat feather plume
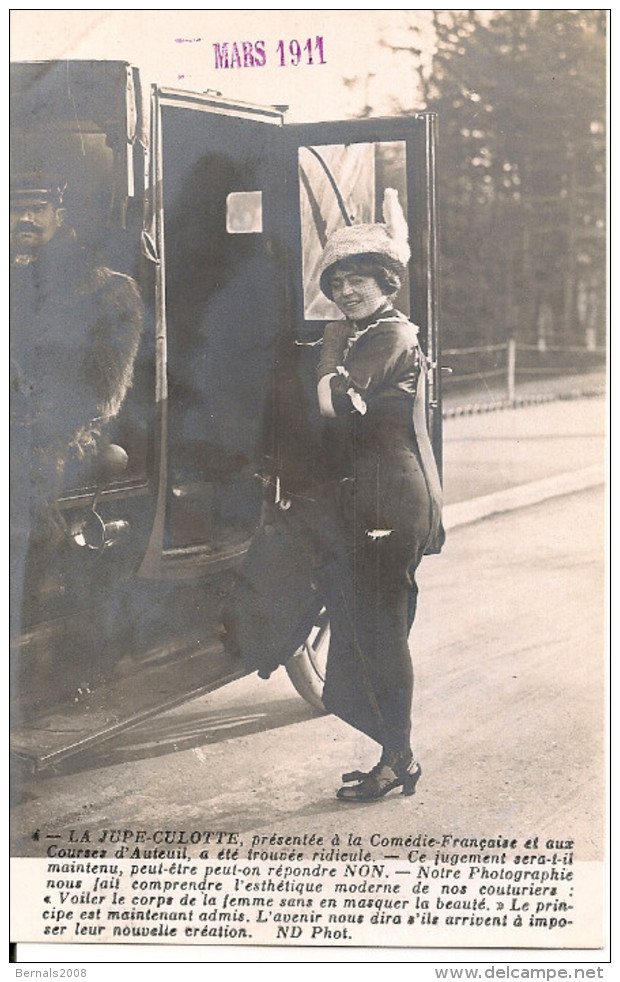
{"points": [[396, 224]]}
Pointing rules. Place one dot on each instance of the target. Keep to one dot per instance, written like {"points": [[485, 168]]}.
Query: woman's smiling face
{"points": [[356, 295]]}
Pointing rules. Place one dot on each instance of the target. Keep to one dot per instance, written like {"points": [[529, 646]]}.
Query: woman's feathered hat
{"points": [[388, 242]]}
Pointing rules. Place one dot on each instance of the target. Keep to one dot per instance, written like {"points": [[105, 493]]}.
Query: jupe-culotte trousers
{"points": [[369, 588]]}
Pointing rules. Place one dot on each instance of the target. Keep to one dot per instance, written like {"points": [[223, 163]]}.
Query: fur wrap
{"points": [[75, 331]]}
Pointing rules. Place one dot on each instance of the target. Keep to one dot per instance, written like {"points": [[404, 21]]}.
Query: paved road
{"points": [[509, 715], [492, 451]]}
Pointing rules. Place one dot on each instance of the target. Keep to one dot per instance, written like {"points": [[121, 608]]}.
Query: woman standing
{"points": [[371, 380]]}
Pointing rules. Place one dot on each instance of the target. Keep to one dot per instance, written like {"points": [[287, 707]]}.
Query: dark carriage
{"points": [[219, 211]]}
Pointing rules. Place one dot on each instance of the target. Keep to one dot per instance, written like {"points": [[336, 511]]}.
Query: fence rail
{"points": [[520, 346], [505, 366]]}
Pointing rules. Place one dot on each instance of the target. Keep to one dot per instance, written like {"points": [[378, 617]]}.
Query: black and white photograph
{"points": [[309, 486]]}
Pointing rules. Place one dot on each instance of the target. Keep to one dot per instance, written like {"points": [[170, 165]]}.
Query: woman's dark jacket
{"points": [[379, 365]]}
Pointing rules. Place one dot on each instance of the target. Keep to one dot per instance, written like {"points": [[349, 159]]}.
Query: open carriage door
{"points": [[337, 173], [219, 311]]}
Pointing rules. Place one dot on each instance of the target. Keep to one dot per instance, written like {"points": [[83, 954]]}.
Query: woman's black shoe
{"points": [[392, 771]]}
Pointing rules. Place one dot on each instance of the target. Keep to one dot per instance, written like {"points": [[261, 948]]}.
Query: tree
{"points": [[520, 96]]}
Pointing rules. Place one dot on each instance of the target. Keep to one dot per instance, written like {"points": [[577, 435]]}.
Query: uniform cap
{"points": [[47, 187]]}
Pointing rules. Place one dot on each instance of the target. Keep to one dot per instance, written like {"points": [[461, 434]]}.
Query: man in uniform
{"points": [[75, 329]]}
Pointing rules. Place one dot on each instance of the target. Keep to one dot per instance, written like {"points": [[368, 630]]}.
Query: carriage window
{"points": [[342, 185], [244, 212]]}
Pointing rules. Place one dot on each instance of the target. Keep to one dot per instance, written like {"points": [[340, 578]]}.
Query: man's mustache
{"points": [[27, 227]]}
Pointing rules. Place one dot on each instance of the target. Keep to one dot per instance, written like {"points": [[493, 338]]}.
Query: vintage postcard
{"points": [[308, 429]]}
